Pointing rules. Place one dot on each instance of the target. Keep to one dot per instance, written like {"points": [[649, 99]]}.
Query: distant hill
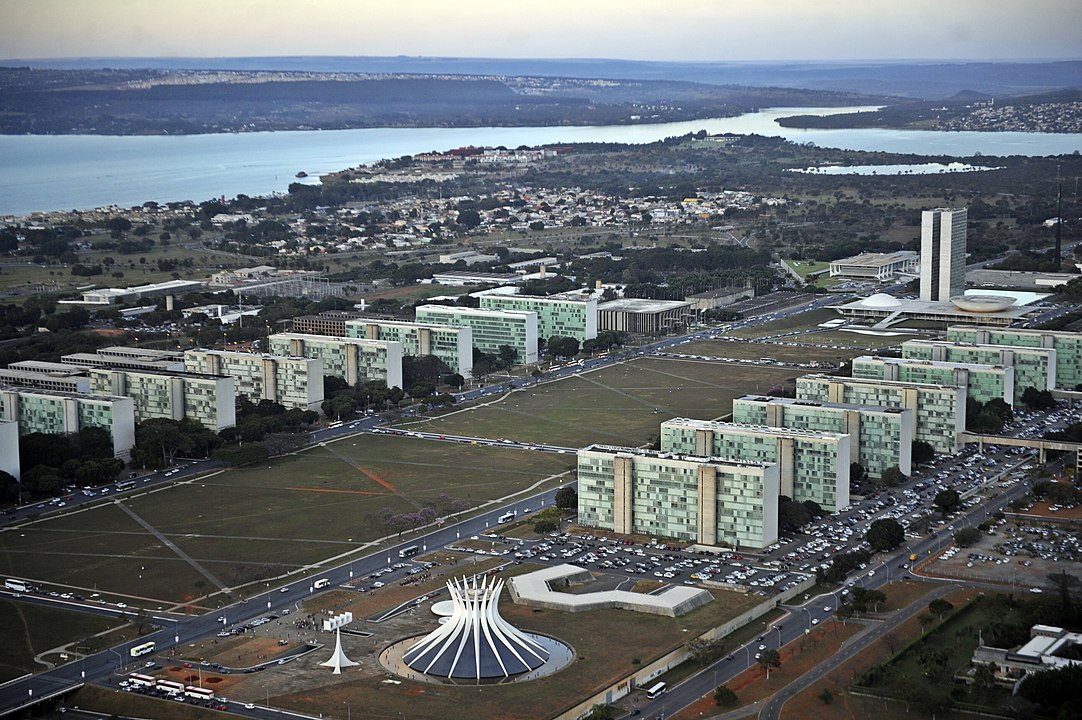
{"points": [[914, 79], [146, 102]]}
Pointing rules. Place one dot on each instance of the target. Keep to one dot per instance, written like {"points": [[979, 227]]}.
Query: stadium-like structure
{"points": [[475, 643]]}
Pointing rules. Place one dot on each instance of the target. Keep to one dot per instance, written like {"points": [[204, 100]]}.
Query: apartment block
{"points": [[451, 344], [57, 412], [565, 314], [1033, 366], [711, 501], [353, 359], [982, 382], [879, 438], [812, 465], [295, 382], [207, 399], [1068, 347], [939, 411], [490, 328]]}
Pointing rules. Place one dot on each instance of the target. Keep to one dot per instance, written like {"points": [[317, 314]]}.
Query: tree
{"points": [[857, 473], [337, 407], [541, 527], [940, 607], [1038, 399], [892, 476], [158, 441], [967, 537], [1064, 585], [825, 696], [567, 498], [845, 612], [1052, 688], [9, 487], [469, 218], [768, 659], [885, 534], [792, 516], [560, 346], [724, 697], [922, 452], [947, 501], [984, 676]]}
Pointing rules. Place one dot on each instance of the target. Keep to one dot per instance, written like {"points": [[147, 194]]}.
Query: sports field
{"points": [[244, 525], [619, 405]]}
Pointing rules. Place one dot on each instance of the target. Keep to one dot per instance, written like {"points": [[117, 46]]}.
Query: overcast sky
{"points": [[629, 29]]}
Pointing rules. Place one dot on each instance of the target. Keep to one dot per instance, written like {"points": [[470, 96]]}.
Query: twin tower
{"points": [[942, 254]]}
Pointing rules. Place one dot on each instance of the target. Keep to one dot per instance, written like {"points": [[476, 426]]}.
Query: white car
{"points": [[827, 608]]}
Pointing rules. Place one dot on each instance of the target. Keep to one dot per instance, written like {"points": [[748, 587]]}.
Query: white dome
{"points": [[982, 303], [880, 300]]}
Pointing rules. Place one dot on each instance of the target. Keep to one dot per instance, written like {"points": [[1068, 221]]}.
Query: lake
{"points": [[65, 172]]}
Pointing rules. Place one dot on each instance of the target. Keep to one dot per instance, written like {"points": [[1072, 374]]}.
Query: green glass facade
{"points": [[880, 438], [354, 360], [54, 412], [1033, 367], [1068, 347], [939, 411], [491, 328], [813, 465], [566, 315], [451, 344], [983, 382], [703, 500]]}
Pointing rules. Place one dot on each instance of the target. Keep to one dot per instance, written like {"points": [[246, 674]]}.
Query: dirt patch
{"points": [[647, 586], [252, 651]]}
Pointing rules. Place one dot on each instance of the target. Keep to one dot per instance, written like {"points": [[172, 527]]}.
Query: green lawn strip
{"points": [[29, 629]]}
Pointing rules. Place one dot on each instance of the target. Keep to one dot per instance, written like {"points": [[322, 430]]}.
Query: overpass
{"points": [[1039, 444], [29, 690]]}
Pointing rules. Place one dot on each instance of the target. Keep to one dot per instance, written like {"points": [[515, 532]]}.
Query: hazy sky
{"points": [[631, 29]]}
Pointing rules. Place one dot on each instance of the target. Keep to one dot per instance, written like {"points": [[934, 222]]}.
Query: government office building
{"points": [[982, 382], [706, 500], [571, 315], [451, 344], [55, 412], [939, 411], [811, 465], [1068, 346], [295, 382], [207, 399], [490, 328], [354, 360], [45, 376], [879, 438], [1033, 366]]}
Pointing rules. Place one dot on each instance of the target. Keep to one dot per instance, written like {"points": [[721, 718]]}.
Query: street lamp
{"points": [[349, 712]]}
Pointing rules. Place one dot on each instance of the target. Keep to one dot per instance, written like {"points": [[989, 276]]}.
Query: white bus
{"points": [[144, 649], [506, 517], [168, 686], [409, 551], [139, 680], [656, 690], [321, 583], [199, 693]]}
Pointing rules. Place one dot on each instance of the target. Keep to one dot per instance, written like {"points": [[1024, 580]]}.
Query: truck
{"points": [[19, 586]]}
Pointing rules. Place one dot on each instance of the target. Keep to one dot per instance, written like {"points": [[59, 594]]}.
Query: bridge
{"points": [[1039, 444], [22, 693]]}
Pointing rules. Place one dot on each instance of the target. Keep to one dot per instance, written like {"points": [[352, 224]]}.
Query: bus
{"points": [[144, 649], [199, 693], [168, 686], [139, 680], [125, 485], [506, 517], [321, 583], [409, 551], [655, 690]]}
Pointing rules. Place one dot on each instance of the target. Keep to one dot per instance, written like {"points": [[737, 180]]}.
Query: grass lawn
{"points": [[30, 629], [804, 268], [116, 703], [623, 404], [809, 320], [247, 524]]}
